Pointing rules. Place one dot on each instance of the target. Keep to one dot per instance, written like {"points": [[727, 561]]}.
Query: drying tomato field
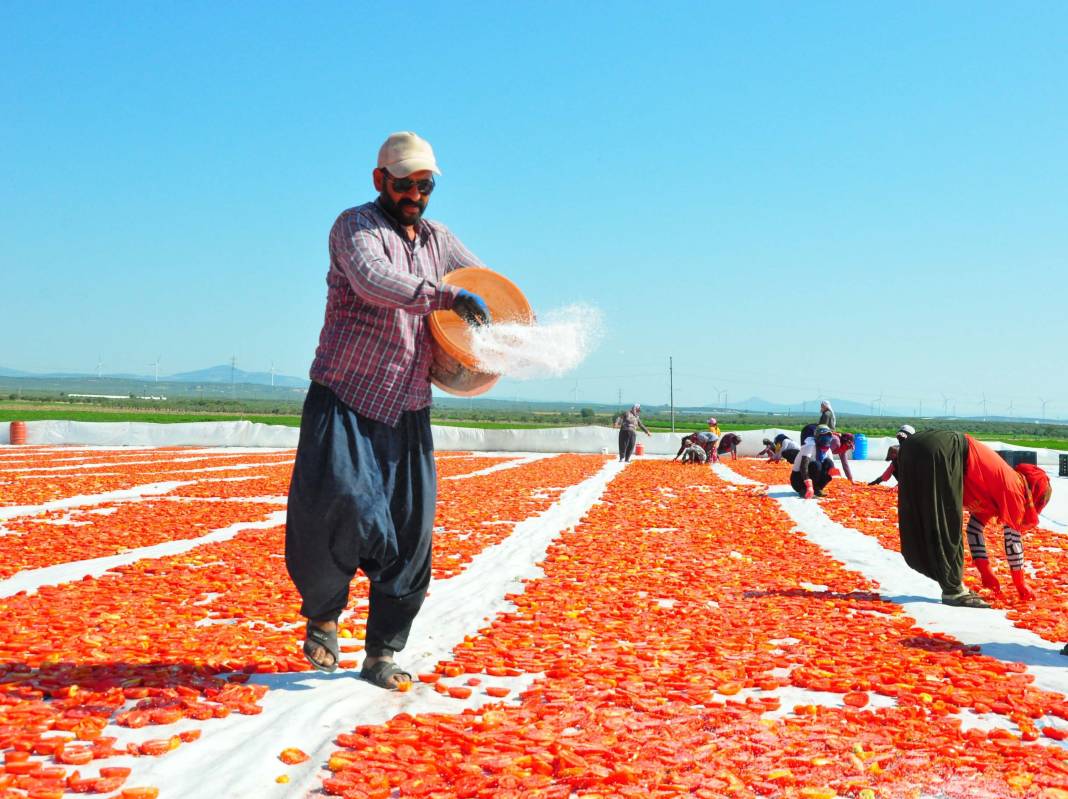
{"points": [[593, 630]]}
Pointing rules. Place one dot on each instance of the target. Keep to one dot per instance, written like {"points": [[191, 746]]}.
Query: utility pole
{"points": [[671, 389], [620, 397], [233, 367]]}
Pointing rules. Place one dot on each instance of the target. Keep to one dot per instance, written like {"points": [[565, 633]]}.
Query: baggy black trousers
{"points": [[627, 439], [819, 472], [930, 505], [362, 496]]}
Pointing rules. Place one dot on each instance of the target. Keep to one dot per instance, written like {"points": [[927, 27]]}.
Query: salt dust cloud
{"points": [[556, 344]]}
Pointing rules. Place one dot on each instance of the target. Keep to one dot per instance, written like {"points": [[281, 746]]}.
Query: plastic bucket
{"points": [[18, 432], [454, 367], [860, 447], [639, 449]]}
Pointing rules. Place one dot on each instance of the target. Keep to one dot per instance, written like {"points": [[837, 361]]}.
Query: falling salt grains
{"points": [[552, 347]]}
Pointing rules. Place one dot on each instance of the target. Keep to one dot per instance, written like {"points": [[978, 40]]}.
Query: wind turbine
{"points": [[945, 405], [99, 367], [1043, 408], [155, 364], [984, 406], [272, 374]]}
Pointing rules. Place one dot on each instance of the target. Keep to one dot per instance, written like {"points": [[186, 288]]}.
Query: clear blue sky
{"points": [[851, 198]]}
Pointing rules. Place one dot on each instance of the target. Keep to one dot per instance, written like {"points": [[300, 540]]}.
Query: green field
{"points": [[1024, 434]]}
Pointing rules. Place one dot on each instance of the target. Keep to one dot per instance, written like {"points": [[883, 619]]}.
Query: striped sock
{"points": [[1014, 549], [976, 542]]}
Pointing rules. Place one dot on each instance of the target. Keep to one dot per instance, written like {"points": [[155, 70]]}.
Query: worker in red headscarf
{"points": [[842, 444], [940, 473], [988, 497]]}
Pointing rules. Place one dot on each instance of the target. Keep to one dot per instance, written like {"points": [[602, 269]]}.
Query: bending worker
{"points": [[628, 423], [841, 445], [729, 442], [364, 489], [940, 473], [903, 432], [811, 471], [692, 452], [706, 441], [783, 448]]}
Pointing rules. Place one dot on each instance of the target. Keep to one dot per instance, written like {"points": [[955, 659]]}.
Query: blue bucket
{"points": [[860, 447]]}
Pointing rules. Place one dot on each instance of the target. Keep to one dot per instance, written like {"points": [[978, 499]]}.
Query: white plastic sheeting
{"points": [[146, 434], [254, 434]]}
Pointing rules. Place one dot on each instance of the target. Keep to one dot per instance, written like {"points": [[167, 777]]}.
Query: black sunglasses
{"points": [[404, 185]]}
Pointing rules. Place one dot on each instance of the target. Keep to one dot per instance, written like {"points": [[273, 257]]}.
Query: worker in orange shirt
{"points": [[940, 474]]}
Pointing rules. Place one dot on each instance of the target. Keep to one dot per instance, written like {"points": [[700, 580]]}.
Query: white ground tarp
{"points": [[252, 434]]}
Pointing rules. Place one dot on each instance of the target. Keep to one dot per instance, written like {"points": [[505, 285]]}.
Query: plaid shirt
{"points": [[374, 349]]}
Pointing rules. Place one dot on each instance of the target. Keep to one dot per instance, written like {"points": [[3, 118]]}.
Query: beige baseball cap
{"points": [[404, 153]]}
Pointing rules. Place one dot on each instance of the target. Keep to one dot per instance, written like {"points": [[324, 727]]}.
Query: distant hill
{"points": [[214, 374], [224, 374], [758, 405]]}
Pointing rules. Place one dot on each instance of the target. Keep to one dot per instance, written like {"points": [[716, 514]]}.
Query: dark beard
{"points": [[401, 212]]}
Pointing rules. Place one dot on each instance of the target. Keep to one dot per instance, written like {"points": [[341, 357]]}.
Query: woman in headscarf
{"points": [[811, 471], [940, 474], [841, 445], [628, 424], [827, 416]]}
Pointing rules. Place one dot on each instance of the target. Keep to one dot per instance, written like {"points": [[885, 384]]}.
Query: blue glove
{"points": [[472, 308]]}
